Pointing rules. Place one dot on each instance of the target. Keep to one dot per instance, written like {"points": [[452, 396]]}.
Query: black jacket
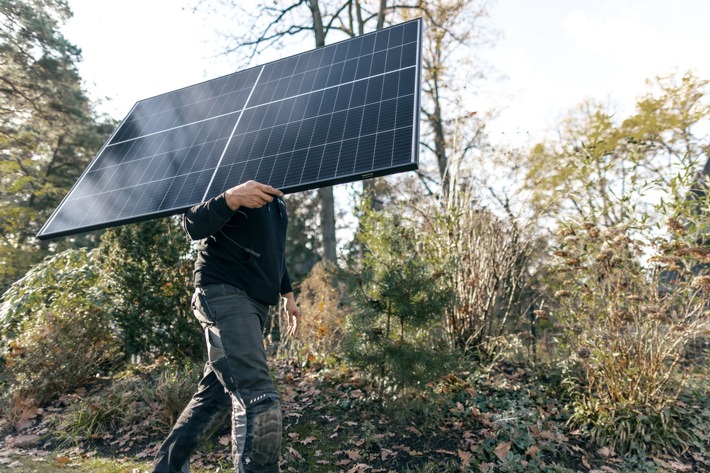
{"points": [[244, 248]]}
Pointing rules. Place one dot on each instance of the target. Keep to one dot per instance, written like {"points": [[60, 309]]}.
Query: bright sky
{"points": [[556, 53], [553, 53]]}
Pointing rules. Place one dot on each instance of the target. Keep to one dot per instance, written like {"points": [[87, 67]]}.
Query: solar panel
{"points": [[336, 114]]}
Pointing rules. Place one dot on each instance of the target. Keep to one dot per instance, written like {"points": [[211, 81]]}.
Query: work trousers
{"points": [[236, 376]]}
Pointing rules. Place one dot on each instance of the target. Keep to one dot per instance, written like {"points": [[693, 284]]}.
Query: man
{"points": [[239, 272]]}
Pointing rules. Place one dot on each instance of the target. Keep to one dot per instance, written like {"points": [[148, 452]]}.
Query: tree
{"points": [[399, 301], [302, 249], [601, 171], [47, 130], [452, 32], [271, 22]]}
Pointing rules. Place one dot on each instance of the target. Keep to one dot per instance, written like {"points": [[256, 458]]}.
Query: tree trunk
{"points": [[327, 201], [369, 186], [327, 217]]}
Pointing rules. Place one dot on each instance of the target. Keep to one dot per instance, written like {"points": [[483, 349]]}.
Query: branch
{"points": [[265, 36]]}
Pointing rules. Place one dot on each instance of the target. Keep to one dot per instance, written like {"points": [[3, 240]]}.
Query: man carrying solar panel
{"points": [[240, 271]]}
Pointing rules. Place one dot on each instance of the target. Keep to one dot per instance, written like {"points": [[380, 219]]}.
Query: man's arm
{"points": [[209, 217], [293, 313]]}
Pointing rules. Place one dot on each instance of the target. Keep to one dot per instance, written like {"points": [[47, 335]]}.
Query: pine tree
{"points": [[48, 132]]}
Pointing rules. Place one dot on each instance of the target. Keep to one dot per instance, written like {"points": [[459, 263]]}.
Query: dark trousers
{"points": [[236, 376]]}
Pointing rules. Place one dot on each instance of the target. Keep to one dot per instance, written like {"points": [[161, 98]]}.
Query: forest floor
{"points": [[505, 419]]}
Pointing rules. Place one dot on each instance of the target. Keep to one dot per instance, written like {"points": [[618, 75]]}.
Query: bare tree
{"points": [[451, 28], [452, 33], [267, 25], [271, 22]]}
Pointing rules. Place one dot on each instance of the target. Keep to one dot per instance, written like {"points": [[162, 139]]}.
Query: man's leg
{"points": [[263, 442], [207, 408], [237, 338]]}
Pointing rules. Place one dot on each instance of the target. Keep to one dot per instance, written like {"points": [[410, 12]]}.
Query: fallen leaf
{"points": [[532, 450], [465, 458], [24, 424], [353, 454], [414, 430], [308, 440], [445, 452], [294, 453], [605, 452], [29, 413], [385, 454], [359, 468], [22, 441], [502, 450]]}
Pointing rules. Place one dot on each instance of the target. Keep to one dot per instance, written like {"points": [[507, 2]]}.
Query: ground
{"points": [[505, 419]]}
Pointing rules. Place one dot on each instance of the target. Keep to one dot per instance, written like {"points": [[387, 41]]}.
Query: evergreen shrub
{"points": [[398, 301], [55, 332]]}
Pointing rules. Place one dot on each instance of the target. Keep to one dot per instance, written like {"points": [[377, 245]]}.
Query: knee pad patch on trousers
{"points": [[266, 441]]}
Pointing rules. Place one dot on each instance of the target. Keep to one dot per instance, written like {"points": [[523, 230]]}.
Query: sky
{"points": [[557, 53], [550, 54]]}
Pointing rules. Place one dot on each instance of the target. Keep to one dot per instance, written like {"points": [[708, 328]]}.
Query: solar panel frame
{"points": [[344, 98]]}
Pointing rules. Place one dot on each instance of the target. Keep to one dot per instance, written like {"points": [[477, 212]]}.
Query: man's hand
{"points": [[250, 194], [293, 314]]}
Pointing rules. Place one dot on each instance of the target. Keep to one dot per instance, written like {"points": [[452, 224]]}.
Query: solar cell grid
{"points": [[335, 114]]}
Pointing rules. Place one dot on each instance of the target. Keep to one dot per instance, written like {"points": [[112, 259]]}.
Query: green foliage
{"points": [[600, 170], [629, 283], [78, 312], [47, 129], [303, 238], [148, 279], [55, 333], [398, 305], [625, 427], [67, 280], [171, 388]]}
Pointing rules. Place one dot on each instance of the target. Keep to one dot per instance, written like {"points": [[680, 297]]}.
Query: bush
{"points": [[627, 330], [55, 335], [320, 332], [147, 271], [170, 389], [486, 259], [398, 308], [143, 401]]}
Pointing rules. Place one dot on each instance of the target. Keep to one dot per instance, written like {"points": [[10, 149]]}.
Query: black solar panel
{"points": [[336, 114]]}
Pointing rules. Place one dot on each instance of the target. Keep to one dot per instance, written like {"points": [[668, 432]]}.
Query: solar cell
{"points": [[336, 114]]}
